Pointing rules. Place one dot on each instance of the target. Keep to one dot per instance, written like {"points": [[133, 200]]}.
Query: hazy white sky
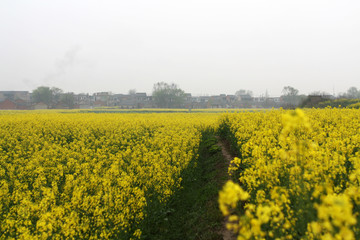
{"points": [[206, 47]]}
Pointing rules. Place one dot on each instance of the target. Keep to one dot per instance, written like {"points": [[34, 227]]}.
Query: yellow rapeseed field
{"points": [[90, 176], [297, 175], [73, 175]]}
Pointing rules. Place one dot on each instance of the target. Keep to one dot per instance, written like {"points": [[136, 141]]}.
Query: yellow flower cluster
{"points": [[90, 176], [301, 170]]}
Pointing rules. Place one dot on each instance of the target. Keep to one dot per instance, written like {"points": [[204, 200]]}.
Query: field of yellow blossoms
{"points": [[71, 175], [90, 176], [297, 174]]}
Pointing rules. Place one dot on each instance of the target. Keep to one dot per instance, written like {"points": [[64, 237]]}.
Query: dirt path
{"points": [[225, 150]]}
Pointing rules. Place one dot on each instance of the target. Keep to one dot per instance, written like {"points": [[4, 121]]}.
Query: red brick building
{"points": [[8, 105], [19, 104]]}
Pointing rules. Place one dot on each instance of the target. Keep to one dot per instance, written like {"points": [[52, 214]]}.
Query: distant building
{"points": [[188, 101], [124, 100], [200, 101], [8, 105], [15, 95], [103, 97], [244, 97], [22, 100], [82, 101], [18, 104], [140, 100], [99, 103], [22, 104], [40, 105], [217, 101]]}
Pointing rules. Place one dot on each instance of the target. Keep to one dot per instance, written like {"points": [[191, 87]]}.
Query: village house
{"points": [[39, 106], [15, 100], [82, 101], [22, 100]]}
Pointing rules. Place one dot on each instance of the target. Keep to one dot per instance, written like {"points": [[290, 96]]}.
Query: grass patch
{"points": [[193, 212]]}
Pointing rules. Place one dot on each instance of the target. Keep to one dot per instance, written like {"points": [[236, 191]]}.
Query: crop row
{"points": [[296, 176], [90, 176]]}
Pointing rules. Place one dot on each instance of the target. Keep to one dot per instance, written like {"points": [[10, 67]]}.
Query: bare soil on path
{"points": [[228, 157]]}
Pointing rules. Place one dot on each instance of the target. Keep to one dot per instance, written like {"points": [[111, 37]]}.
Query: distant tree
{"points": [[132, 92], [243, 92], [42, 94], [290, 97], [314, 99], [168, 95], [289, 91], [56, 95], [47, 95], [353, 92], [319, 93], [67, 99]]}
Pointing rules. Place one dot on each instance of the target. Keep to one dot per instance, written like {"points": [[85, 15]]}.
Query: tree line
{"points": [[52, 96], [170, 95]]}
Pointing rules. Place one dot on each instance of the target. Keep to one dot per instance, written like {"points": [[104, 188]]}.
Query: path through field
{"points": [[227, 157], [193, 212]]}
